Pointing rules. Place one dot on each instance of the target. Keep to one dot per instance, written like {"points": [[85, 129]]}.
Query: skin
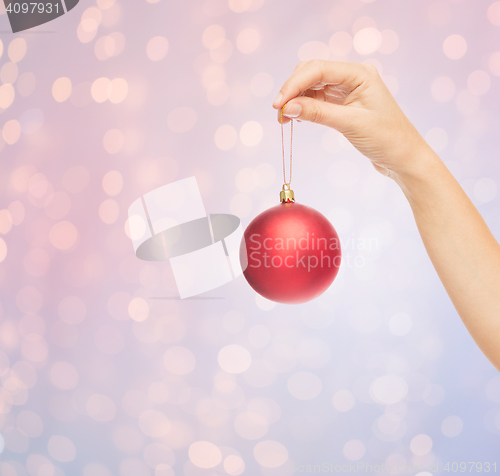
{"points": [[353, 99]]}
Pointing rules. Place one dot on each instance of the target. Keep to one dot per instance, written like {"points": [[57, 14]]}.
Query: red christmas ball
{"points": [[290, 253]]}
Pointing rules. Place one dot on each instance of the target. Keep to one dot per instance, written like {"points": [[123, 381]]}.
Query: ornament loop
{"points": [[283, 147]]}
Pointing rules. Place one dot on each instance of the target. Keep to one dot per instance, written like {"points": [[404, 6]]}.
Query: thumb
{"points": [[308, 109]]}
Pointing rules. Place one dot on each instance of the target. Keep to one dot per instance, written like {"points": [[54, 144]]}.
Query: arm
{"points": [[353, 99]]}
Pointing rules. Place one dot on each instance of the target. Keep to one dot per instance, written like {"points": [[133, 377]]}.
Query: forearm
{"points": [[461, 247]]}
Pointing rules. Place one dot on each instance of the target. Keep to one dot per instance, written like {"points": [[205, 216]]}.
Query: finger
{"points": [[332, 115], [285, 119], [315, 71]]}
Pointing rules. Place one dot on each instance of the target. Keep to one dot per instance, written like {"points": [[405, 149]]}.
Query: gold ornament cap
{"points": [[287, 195]]}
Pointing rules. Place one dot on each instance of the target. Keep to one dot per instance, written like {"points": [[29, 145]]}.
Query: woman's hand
{"points": [[353, 99]]}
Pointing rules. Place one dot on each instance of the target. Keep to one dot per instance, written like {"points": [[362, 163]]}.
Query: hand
{"points": [[353, 99]]}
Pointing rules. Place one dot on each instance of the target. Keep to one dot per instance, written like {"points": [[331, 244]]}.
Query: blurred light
{"points": [[304, 385], [217, 93], [494, 13], [179, 360], [11, 130], [234, 358], [434, 395], [36, 262], [225, 137], [365, 318], [221, 50], [270, 454], [452, 426], [259, 336], [156, 454], [240, 6], [251, 133], [76, 179], [455, 47], [439, 13], [112, 183], [17, 49], [5, 221], [157, 48], [313, 353], [7, 94], [63, 235], [467, 103], [390, 42], [246, 180], [113, 141], [128, 439], [443, 89], [9, 72], [479, 82], [29, 300], [29, 424], [248, 40], [158, 392], [213, 73], [485, 190], [31, 121], [362, 23], [263, 303], [367, 41], [101, 408], [26, 84], [233, 465], [388, 389], [233, 322], [57, 205], [101, 89], [313, 50], [494, 63], [437, 138], [340, 44], [109, 211], [204, 454], [421, 445], [182, 119], [250, 426], [118, 91], [240, 205], [138, 309], [212, 34], [400, 324], [61, 449], [105, 4], [262, 84], [354, 450], [343, 400], [34, 348]]}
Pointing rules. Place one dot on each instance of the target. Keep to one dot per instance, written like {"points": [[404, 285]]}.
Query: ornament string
{"points": [[283, 149]]}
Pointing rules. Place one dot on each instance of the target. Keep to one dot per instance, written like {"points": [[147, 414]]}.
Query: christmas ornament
{"points": [[290, 253]]}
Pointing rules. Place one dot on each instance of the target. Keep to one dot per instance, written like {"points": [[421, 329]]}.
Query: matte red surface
{"points": [[274, 277]]}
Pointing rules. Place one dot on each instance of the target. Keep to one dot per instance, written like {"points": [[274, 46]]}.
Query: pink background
{"points": [[117, 98]]}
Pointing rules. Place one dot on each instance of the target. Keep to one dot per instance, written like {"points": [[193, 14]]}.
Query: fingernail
{"points": [[292, 110], [278, 99]]}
